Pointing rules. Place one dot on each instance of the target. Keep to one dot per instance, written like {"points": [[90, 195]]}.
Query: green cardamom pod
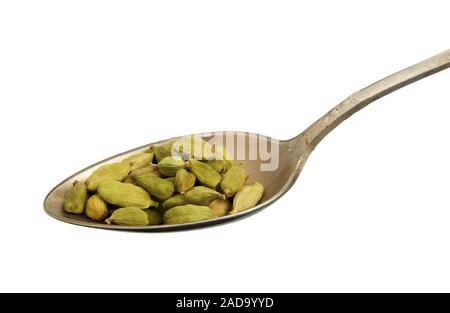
{"points": [[75, 199], [129, 180], [148, 169], [198, 196], [171, 179], [247, 197], [112, 171], [184, 181], [154, 217], [138, 160], [193, 147], [169, 166], [149, 150], [129, 216], [223, 154], [233, 180], [125, 195], [96, 208], [145, 170], [218, 165], [187, 214], [162, 151], [205, 174], [221, 207], [156, 186]]}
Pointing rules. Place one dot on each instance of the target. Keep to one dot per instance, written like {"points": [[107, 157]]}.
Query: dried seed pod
{"points": [[218, 165], [193, 147], [171, 179], [154, 217], [233, 180], [129, 180], [198, 196], [187, 214], [125, 195], [184, 181], [145, 170], [148, 169], [139, 160], [162, 151], [205, 174], [129, 216], [221, 207], [96, 208], [75, 199], [112, 171], [169, 166], [156, 186], [149, 150], [223, 154], [247, 197]]}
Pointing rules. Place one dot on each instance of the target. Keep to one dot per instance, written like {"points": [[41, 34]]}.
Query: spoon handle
{"points": [[360, 99]]}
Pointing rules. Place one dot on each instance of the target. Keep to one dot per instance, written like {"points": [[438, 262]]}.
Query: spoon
{"points": [[292, 155]]}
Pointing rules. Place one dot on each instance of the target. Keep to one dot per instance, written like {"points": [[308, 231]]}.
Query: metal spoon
{"points": [[293, 153]]}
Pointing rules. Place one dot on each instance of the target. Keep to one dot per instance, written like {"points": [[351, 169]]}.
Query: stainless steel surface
{"points": [[293, 152]]}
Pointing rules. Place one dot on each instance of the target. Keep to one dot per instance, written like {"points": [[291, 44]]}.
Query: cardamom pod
{"points": [[138, 160], [145, 170], [162, 151], [149, 150], [233, 180], [75, 199], [247, 197], [96, 208], [223, 154], [171, 179], [148, 169], [220, 207], [129, 180], [156, 186], [169, 166], [187, 214], [112, 171], [184, 181], [218, 165], [154, 217], [198, 196], [129, 216], [205, 174], [193, 147], [125, 195]]}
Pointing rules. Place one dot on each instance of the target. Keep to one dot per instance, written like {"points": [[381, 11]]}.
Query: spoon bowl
{"points": [[291, 154], [276, 183]]}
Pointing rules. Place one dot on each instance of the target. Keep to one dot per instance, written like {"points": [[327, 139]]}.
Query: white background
{"points": [[83, 80]]}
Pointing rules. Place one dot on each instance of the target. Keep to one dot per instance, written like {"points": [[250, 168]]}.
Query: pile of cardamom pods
{"points": [[166, 184]]}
